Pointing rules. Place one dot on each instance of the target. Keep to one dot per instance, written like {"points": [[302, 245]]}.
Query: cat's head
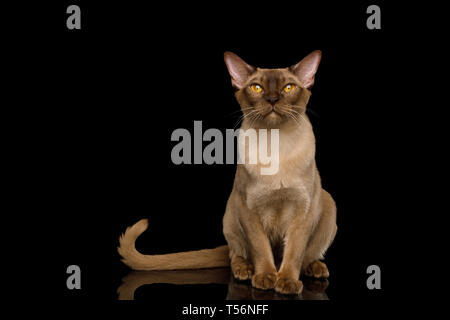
{"points": [[271, 97]]}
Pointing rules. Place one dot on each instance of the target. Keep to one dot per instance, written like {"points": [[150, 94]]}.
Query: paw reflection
{"points": [[314, 289]]}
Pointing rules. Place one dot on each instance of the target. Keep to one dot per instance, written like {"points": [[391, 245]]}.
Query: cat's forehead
{"points": [[269, 75]]}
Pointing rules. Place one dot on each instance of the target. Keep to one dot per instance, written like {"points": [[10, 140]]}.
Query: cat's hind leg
{"points": [[321, 239]]}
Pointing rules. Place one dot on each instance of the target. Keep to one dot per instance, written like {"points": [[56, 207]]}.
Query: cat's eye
{"points": [[256, 88], [288, 88]]}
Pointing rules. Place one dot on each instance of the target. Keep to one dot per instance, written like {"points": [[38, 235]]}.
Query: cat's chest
{"points": [[288, 184], [284, 179], [293, 178]]}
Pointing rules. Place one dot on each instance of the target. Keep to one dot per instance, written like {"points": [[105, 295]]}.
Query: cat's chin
{"points": [[273, 119]]}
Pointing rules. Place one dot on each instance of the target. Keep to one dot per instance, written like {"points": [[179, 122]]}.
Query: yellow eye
{"points": [[256, 88], [289, 88]]}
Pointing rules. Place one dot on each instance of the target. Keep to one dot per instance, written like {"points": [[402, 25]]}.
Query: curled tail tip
{"points": [[127, 239], [143, 223], [139, 226], [136, 229]]}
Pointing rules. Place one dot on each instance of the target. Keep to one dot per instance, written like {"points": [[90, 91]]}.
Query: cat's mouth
{"points": [[274, 115], [272, 112]]}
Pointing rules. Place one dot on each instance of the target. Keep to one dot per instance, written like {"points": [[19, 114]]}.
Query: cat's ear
{"points": [[239, 70], [306, 69]]}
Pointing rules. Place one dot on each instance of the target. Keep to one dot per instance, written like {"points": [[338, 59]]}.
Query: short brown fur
{"points": [[289, 210]]}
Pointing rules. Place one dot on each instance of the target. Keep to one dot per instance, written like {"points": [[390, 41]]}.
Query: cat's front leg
{"points": [[265, 274], [295, 245]]}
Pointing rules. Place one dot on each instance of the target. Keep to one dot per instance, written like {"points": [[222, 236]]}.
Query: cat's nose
{"points": [[272, 100]]}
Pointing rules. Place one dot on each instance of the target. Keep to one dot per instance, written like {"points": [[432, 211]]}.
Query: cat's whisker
{"points": [[293, 114], [289, 109], [293, 118], [256, 117], [301, 110], [245, 115], [296, 112], [252, 117], [238, 122], [301, 117], [240, 110]]}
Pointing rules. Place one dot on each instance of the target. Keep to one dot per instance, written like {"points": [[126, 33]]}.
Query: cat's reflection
{"points": [[313, 289]]}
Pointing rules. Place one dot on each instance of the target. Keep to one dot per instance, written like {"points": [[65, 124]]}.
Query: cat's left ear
{"points": [[306, 69]]}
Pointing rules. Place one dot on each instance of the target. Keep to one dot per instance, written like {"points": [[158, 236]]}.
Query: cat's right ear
{"points": [[239, 70]]}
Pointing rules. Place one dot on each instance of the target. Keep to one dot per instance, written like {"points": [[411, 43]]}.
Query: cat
{"points": [[287, 214]]}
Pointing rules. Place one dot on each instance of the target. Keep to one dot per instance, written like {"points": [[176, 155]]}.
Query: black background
{"points": [[112, 93]]}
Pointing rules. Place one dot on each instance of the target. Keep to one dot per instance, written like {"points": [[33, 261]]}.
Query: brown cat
{"points": [[286, 214]]}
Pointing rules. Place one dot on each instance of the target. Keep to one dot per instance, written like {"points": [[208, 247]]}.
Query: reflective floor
{"points": [[313, 289]]}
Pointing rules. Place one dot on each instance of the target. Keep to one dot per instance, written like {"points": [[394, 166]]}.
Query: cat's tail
{"points": [[207, 258]]}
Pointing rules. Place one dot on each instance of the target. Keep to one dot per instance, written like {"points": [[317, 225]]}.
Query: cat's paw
{"points": [[288, 286], [264, 281], [317, 269], [243, 270]]}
